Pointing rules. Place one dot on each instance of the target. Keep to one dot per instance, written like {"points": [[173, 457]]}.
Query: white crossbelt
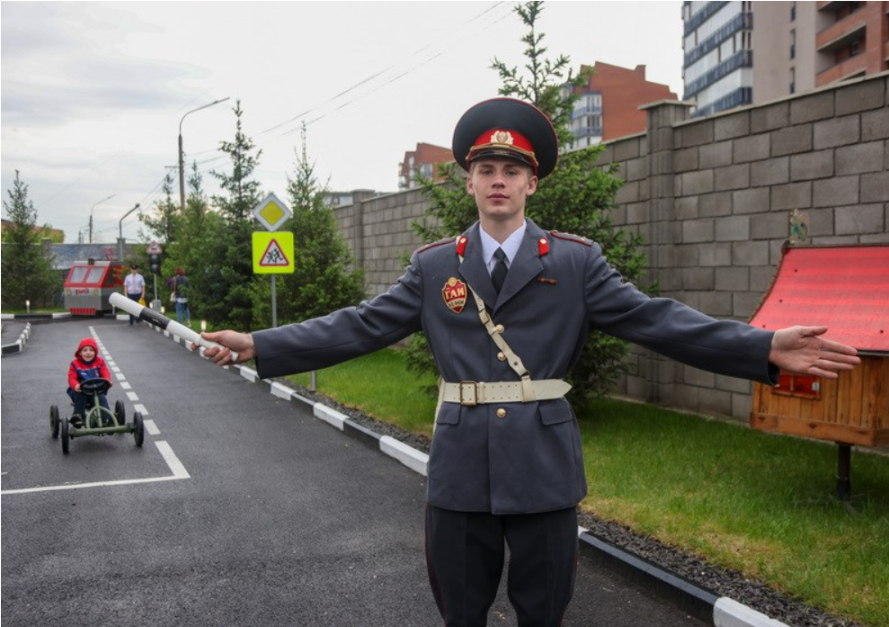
{"points": [[482, 392]]}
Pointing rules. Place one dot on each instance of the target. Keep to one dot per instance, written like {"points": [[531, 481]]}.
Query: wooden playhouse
{"points": [[845, 288]]}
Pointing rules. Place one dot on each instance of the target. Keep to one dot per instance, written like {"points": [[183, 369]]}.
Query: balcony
{"points": [[587, 131], [702, 16], [843, 33], [739, 97], [742, 21], [591, 110], [854, 66], [832, 7], [744, 58]]}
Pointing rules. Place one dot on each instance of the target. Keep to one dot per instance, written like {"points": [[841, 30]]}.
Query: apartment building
{"points": [[424, 160], [739, 53], [609, 103], [852, 40], [718, 50]]}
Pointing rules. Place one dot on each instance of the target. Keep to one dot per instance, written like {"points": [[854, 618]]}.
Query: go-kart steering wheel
{"points": [[95, 386]]}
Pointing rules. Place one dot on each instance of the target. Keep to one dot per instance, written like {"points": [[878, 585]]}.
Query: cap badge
{"points": [[501, 137], [454, 294]]}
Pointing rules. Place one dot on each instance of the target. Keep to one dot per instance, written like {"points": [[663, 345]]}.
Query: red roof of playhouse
{"points": [[845, 289]]}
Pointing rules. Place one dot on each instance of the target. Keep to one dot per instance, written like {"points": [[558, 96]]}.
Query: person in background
{"points": [[180, 290], [134, 286], [86, 365]]}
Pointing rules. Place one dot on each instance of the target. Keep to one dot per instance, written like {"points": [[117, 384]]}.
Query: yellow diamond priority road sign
{"points": [[271, 212], [273, 253]]}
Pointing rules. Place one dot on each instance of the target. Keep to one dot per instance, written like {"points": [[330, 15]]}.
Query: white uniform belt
{"points": [[482, 392]]}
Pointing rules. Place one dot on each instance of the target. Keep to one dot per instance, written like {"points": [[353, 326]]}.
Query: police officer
{"points": [[506, 307]]}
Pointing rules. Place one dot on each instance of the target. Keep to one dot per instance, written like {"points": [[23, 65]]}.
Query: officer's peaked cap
{"points": [[510, 128]]}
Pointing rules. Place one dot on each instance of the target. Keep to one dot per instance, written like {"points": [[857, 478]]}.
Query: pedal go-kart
{"points": [[98, 420]]}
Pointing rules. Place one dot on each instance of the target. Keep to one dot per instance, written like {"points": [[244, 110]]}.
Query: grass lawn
{"points": [[756, 502]]}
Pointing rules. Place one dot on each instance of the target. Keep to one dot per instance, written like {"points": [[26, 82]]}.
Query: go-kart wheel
{"points": [[54, 421], [120, 412], [63, 424], [138, 429]]}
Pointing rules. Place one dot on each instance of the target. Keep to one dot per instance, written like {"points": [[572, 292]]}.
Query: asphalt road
{"points": [[239, 509]]}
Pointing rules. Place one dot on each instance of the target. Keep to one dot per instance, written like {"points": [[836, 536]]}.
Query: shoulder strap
{"points": [[496, 334]]}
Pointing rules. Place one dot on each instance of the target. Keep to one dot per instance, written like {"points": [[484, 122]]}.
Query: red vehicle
{"points": [[89, 286]]}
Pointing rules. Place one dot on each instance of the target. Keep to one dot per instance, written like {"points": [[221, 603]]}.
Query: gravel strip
{"points": [[721, 581]]}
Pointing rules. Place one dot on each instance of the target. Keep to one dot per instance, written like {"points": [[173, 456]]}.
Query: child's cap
{"points": [[87, 341]]}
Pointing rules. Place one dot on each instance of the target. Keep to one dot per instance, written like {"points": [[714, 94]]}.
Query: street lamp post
{"points": [[91, 214], [182, 153], [120, 229]]}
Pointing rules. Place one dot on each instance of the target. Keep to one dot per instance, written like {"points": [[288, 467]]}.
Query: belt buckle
{"points": [[464, 385]]}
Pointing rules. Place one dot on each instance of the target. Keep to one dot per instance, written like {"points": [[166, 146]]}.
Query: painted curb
{"points": [[729, 613], [701, 603], [52, 316], [19, 345]]}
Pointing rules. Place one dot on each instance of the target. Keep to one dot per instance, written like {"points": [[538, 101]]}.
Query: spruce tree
{"points": [[161, 222], [325, 278], [226, 277], [577, 197], [27, 274]]}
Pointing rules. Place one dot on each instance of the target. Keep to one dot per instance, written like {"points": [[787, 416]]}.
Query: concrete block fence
{"points": [[712, 198]]}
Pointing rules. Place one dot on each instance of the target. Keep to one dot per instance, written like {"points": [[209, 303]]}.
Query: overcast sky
{"points": [[93, 93]]}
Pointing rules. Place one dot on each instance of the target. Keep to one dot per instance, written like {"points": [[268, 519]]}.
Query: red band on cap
{"points": [[502, 139]]}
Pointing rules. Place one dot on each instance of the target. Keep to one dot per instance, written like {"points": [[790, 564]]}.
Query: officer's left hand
{"points": [[801, 350]]}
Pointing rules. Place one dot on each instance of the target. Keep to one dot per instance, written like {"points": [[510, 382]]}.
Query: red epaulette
{"points": [[461, 244], [440, 242], [568, 237]]}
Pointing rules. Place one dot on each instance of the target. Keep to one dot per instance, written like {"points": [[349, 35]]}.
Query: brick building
{"points": [[423, 159], [608, 107]]}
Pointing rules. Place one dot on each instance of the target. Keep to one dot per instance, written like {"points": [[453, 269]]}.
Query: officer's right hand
{"points": [[242, 343]]}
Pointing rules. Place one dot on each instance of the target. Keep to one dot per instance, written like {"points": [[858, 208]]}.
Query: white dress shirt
{"points": [[510, 246]]}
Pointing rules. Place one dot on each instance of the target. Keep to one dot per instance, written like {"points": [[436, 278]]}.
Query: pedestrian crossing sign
{"points": [[273, 253]]}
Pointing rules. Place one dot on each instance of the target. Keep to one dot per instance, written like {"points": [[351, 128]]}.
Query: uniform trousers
{"points": [[136, 297], [465, 555]]}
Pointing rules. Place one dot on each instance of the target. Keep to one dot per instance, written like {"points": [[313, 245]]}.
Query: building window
{"points": [[855, 48], [792, 80], [793, 11], [793, 44], [802, 385]]}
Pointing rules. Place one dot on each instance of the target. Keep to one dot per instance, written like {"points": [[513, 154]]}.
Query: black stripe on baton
{"points": [[153, 317]]}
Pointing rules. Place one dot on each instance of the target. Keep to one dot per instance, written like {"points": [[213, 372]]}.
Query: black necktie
{"points": [[498, 275]]}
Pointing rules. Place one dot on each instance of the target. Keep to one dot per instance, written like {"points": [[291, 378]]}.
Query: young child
{"points": [[86, 365]]}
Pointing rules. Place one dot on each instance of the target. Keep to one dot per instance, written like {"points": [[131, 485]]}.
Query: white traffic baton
{"points": [[159, 320]]}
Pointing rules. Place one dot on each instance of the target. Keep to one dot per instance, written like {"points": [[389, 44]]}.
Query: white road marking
{"points": [[166, 452], [173, 462]]}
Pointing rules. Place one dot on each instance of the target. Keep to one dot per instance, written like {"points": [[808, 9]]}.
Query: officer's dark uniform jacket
{"points": [[530, 459]]}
